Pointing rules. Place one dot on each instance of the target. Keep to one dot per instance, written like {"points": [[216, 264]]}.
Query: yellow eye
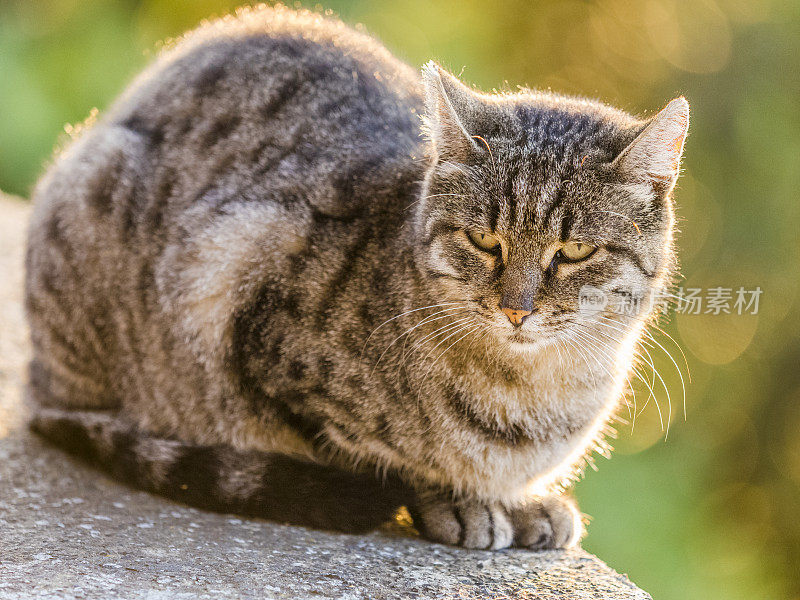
{"points": [[484, 241], [577, 250]]}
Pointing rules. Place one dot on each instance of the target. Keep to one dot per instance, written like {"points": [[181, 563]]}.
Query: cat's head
{"points": [[541, 212]]}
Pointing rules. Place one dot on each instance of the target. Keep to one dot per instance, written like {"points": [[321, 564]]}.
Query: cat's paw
{"points": [[467, 523], [547, 523], [542, 524]]}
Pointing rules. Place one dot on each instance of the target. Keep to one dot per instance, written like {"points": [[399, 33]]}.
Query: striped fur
{"points": [[251, 483], [257, 260]]}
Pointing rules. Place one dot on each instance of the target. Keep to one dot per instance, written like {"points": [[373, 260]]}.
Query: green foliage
{"points": [[710, 512]]}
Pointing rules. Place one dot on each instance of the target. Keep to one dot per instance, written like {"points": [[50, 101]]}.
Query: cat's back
{"points": [[240, 76], [267, 96], [268, 110]]}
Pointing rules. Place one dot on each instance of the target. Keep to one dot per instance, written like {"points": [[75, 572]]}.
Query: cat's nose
{"points": [[515, 315]]}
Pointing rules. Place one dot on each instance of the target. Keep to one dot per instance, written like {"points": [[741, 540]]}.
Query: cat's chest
{"points": [[527, 395], [518, 432]]}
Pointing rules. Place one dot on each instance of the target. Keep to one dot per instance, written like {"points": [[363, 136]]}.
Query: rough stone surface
{"points": [[69, 532]]}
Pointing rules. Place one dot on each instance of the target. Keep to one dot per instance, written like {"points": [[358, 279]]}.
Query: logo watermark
{"points": [[689, 301]]}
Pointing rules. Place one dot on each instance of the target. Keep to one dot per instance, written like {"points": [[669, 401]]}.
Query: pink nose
{"points": [[514, 315]]}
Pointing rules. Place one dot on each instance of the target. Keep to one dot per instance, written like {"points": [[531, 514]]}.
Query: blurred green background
{"points": [[712, 511]]}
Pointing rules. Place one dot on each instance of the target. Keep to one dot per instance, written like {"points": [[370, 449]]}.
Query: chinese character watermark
{"points": [[688, 301]]}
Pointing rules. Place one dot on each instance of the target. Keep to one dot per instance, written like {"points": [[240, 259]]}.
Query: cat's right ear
{"points": [[448, 108], [654, 157]]}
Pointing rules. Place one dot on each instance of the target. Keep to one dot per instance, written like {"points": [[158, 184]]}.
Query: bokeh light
{"points": [[710, 511]]}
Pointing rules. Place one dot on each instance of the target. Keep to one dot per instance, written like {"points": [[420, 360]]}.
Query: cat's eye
{"points": [[484, 241], [576, 251]]}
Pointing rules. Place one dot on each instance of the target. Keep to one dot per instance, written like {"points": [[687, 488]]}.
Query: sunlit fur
{"points": [[262, 251]]}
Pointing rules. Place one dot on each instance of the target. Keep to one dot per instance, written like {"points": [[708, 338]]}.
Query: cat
{"points": [[286, 276]]}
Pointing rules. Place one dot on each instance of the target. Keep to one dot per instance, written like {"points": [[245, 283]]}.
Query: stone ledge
{"points": [[69, 532]]}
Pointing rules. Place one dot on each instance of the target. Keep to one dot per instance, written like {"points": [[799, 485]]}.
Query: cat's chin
{"points": [[526, 342], [529, 342]]}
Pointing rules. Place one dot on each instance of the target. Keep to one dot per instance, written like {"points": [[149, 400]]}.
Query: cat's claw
{"points": [[542, 524]]}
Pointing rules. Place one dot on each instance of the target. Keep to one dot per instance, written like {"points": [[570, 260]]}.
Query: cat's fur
{"points": [[221, 272]]}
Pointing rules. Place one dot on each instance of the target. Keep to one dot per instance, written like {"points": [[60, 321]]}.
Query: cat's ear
{"points": [[654, 157], [449, 104]]}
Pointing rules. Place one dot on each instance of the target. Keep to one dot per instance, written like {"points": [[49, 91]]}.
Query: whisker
{"points": [[586, 338], [587, 331], [588, 364], [426, 320], [408, 312], [675, 364], [474, 329], [477, 337], [491, 155], [680, 374], [678, 346], [650, 385], [452, 333], [435, 333], [560, 358], [455, 333], [652, 366]]}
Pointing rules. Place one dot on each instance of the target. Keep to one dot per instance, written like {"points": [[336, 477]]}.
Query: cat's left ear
{"points": [[654, 157], [449, 108]]}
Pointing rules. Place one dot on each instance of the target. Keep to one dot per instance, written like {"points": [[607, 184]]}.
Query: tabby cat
{"points": [[285, 276]]}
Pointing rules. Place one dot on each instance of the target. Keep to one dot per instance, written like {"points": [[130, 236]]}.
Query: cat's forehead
{"points": [[546, 131], [539, 187], [542, 128], [542, 171]]}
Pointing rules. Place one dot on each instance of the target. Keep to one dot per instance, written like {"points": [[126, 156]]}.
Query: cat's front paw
{"points": [[547, 523], [542, 524], [467, 523]]}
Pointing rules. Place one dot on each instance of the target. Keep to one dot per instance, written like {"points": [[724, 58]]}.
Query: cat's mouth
{"points": [[524, 336], [520, 337], [526, 340]]}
